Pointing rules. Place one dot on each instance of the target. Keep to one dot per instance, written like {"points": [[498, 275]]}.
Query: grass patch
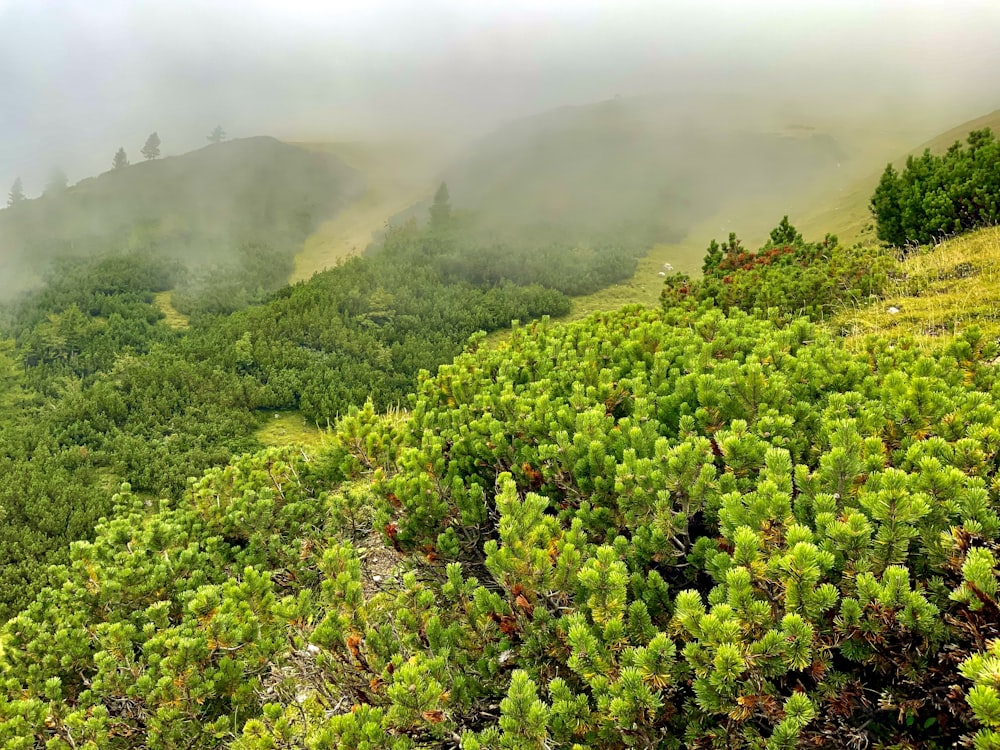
{"points": [[938, 292], [397, 175], [172, 317], [289, 428]]}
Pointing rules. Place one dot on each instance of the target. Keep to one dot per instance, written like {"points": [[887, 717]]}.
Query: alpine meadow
{"points": [[500, 376]]}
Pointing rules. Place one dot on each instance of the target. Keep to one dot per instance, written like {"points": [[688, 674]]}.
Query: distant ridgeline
{"points": [[642, 170], [936, 196], [203, 209]]}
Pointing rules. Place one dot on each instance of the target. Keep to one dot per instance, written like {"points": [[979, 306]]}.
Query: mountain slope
{"points": [[397, 175], [938, 293], [846, 214], [839, 205], [653, 166], [198, 208]]}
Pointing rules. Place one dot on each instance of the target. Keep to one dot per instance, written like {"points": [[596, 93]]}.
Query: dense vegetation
{"points": [[107, 392], [937, 196], [455, 245], [644, 529], [786, 277], [709, 525]]}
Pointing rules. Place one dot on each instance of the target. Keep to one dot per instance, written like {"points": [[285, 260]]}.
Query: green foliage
{"points": [[645, 529], [106, 392], [151, 149], [935, 196], [455, 248], [440, 211], [121, 159], [709, 525], [786, 277]]}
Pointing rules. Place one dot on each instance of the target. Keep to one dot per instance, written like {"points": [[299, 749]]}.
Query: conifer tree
{"points": [[218, 135], [121, 159], [441, 208], [152, 148], [16, 194]]}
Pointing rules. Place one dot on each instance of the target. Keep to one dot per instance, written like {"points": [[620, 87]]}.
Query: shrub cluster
{"points": [[936, 196], [640, 530], [787, 276]]}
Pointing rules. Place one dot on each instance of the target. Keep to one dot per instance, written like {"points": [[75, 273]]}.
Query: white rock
{"points": [[377, 578], [662, 274], [313, 649], [893, 310]]}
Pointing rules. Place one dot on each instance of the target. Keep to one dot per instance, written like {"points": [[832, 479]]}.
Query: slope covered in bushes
{"points": [[643, 529], [709, 525], [109, 393], [201, 209]]}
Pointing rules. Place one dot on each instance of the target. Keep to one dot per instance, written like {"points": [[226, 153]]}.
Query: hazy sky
{"points": [[78, 78]]}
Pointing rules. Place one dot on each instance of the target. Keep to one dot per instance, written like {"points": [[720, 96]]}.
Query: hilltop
{"points": [[197, 208]]}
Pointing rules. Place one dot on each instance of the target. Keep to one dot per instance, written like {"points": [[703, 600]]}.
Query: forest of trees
{"points": [[715, 524], [937, 196]]}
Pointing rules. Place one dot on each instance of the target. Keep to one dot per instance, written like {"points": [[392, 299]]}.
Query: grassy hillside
{"points": [[937, 294], [397, 175], [839, 205], [198, 208], [847, 214]]}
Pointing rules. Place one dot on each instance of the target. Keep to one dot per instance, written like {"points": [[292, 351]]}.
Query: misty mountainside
{"points": [[721, 522], [198, 208], [847, 213], [651, 167]]}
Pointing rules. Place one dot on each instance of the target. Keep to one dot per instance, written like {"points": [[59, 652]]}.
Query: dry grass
{"points": [[172, 317], [398, 175], [348, 233], [751, 221], [939, 292], [289, 428]]}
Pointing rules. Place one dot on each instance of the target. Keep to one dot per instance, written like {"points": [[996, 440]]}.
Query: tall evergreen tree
{"points": [[885, 206], [152, 148], [218, 135], [16, 194], [121, 159]]}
